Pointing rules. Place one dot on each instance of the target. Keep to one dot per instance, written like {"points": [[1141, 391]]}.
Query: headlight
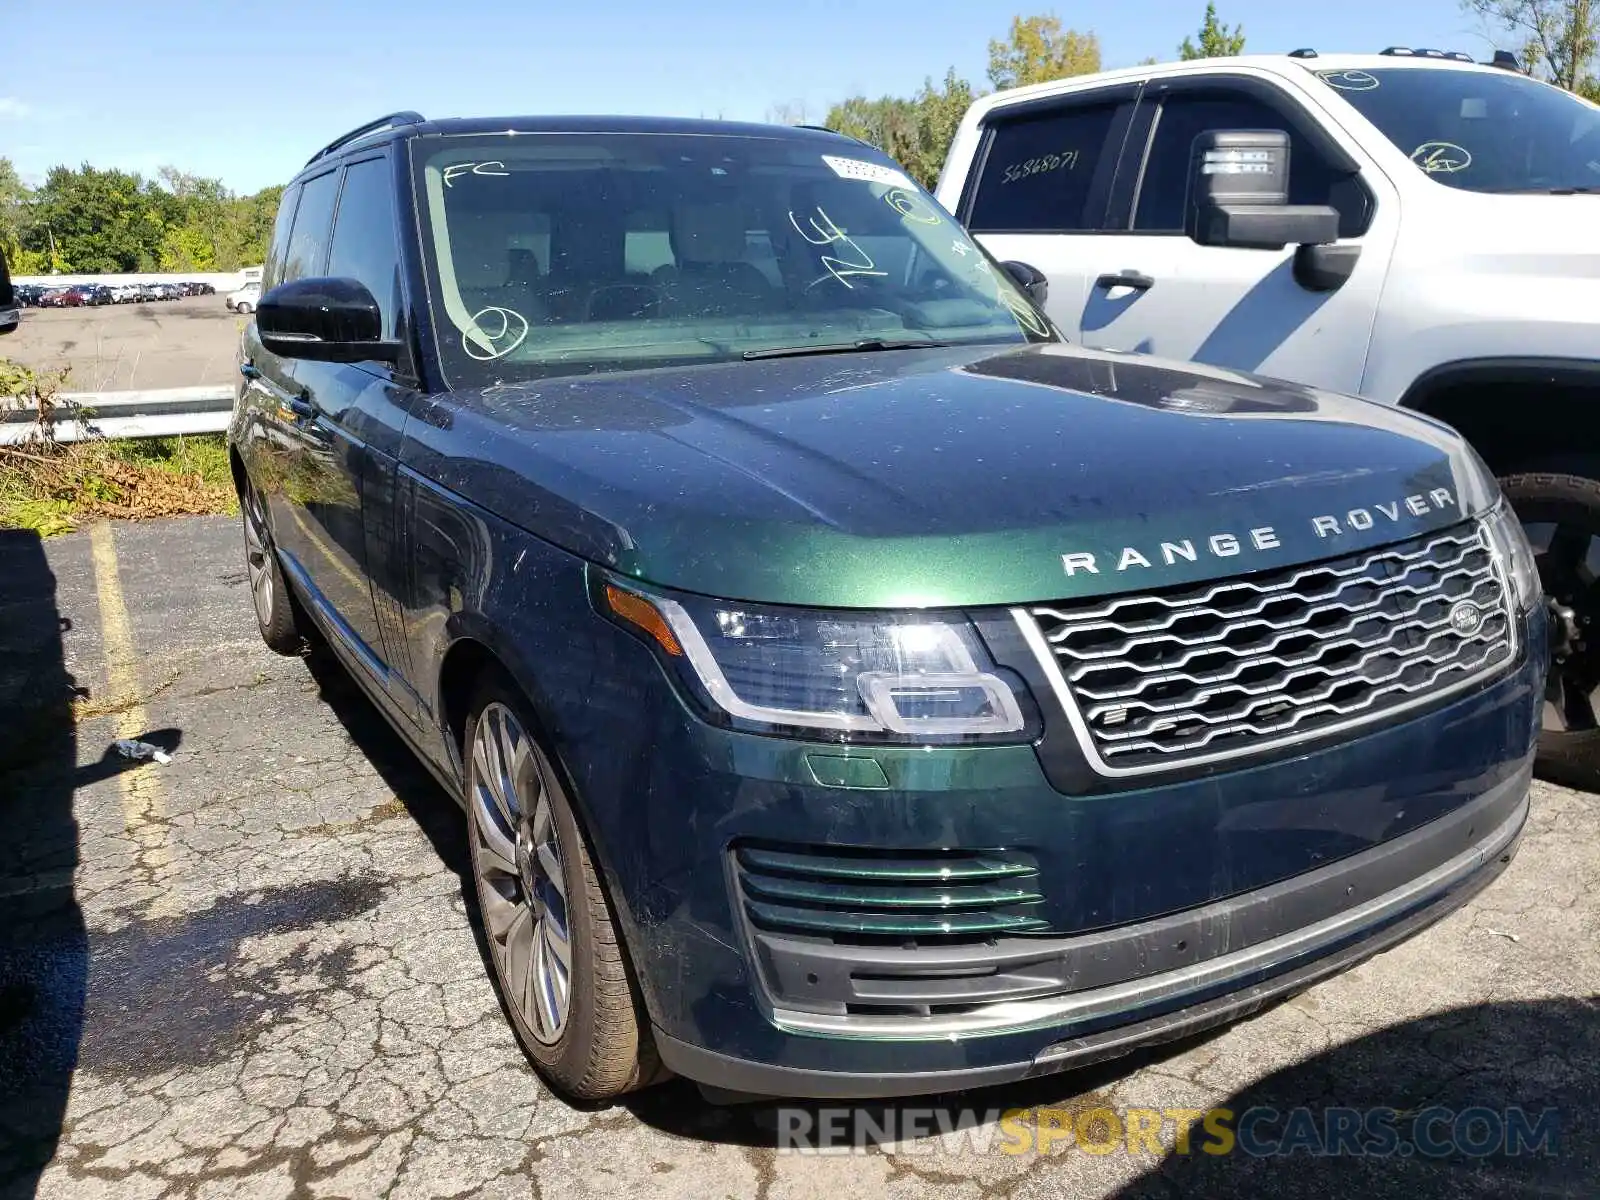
{"points": [[1514, 555], [908, 677]]}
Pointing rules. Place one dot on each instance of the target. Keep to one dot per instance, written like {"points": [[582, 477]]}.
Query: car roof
{"points": [[1276, 64], [681, 126]]}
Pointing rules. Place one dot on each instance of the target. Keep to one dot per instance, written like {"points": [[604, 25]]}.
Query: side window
{"points": [[1039, 173], [364, 239], [272, 270], [1164, 191], [311, 222]]}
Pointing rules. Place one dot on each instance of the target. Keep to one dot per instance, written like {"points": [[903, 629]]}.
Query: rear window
{"points": [[1039, 173]]}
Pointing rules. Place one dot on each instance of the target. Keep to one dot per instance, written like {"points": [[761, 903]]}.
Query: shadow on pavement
{"points": [[44, 958], [1492, 1100], [438, 816]]}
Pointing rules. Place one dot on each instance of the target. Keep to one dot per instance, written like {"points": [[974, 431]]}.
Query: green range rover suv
{"points": [[853, 689]]}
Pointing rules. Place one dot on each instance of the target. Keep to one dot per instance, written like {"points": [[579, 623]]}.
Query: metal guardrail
{"points": [[156, 413]]}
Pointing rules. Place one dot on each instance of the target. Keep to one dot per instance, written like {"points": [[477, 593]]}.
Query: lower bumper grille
{"points": [[1226, 669], [871, 894]]}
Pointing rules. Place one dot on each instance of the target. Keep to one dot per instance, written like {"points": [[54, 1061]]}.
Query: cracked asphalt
{"points": [[255, 972]]}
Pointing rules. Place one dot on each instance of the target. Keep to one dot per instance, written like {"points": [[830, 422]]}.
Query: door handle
{"points": [[1136, 280], [302, 408], [249, 370]]}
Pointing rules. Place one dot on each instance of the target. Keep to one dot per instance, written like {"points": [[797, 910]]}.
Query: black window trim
{"points": [[1284, 103], [1125, 96]]}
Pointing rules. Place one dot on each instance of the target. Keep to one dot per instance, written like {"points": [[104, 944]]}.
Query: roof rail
{"points": [[831, 129], [1424, 52], [388, 121], [1303, 52]]}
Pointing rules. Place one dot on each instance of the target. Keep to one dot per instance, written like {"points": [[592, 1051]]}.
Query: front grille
{"points": [[1215, 670], [872, 895]]}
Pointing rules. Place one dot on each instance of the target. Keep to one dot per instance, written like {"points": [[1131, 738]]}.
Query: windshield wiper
{"points": [[843, 347]]}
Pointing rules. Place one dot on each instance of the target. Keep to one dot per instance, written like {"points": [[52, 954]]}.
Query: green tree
{"points": [[1039, 49], [1216, 40], [1560, 38]]}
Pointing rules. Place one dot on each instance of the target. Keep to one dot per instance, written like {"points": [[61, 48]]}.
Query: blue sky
{"points": [[246, 90]]}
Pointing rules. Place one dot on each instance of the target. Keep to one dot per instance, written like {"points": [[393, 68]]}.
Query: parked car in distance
{"points": [[245, 299], [853, 688], [1418, 234]]}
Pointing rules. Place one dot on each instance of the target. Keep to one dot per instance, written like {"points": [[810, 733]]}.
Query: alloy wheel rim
{"points": [[1568, 557], [258, 566], [520, 868]]}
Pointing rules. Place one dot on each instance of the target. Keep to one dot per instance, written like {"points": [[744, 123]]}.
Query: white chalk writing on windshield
{"points": [[828, 233], [472, 168], [485, 345], [910, 206]]}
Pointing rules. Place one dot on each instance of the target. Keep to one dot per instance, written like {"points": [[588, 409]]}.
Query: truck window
{"points": [[1481, 131], [1165, 187], [364, 240], [1039, 173]]}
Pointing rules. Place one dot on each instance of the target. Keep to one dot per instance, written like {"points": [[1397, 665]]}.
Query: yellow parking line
{"points": [[144, 807]]}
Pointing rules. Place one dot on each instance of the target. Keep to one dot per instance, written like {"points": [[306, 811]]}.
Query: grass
{"points": [[54, 487]]}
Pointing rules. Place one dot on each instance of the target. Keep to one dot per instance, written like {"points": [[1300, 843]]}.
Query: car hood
{"points": [[959, 477]]}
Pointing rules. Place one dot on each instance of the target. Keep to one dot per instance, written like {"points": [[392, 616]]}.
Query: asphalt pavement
{"points": [[254, 972]]}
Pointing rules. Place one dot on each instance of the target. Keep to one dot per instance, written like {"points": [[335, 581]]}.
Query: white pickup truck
{"points": [[1408, 226]]}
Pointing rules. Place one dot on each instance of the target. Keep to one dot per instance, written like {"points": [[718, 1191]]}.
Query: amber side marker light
{"points": [[639, 612]]}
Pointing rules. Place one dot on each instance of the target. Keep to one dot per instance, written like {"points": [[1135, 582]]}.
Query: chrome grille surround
{"points": [[1224, 670]]}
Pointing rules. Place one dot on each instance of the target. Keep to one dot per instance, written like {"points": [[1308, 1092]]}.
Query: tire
{"points": [[245, 307], [277, 615], [527, 845], [1561, 513]]}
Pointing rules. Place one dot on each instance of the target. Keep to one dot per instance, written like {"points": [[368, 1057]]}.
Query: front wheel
{"points": [[244, 308], [1561, 515], [557, 957]]}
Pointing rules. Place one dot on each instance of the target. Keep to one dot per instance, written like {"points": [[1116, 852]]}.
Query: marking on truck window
{"points": [[866, 172], [1066, 160], [472, 168], [911, 206], [1349, 81], [483, 344], [1441, 158], [829, 234]]}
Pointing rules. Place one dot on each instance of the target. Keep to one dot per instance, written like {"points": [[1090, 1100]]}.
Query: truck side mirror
{"points": [[1239, 194]]}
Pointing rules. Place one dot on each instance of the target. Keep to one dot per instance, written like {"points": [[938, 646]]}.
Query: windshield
{"points": [[570, 253], [1478, 130]]}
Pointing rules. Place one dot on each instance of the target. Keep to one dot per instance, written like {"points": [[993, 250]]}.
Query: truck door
{"points": [[1042, 183], [1152, 289]]}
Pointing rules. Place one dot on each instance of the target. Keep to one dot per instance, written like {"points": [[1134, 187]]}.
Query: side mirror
{"points": [[1030, 279], [1239, 194], [329, 320]]}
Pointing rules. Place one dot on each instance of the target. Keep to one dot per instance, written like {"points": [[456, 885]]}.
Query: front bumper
{"points": [[1162, 909], [10, 318], [1096, 1023]]}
